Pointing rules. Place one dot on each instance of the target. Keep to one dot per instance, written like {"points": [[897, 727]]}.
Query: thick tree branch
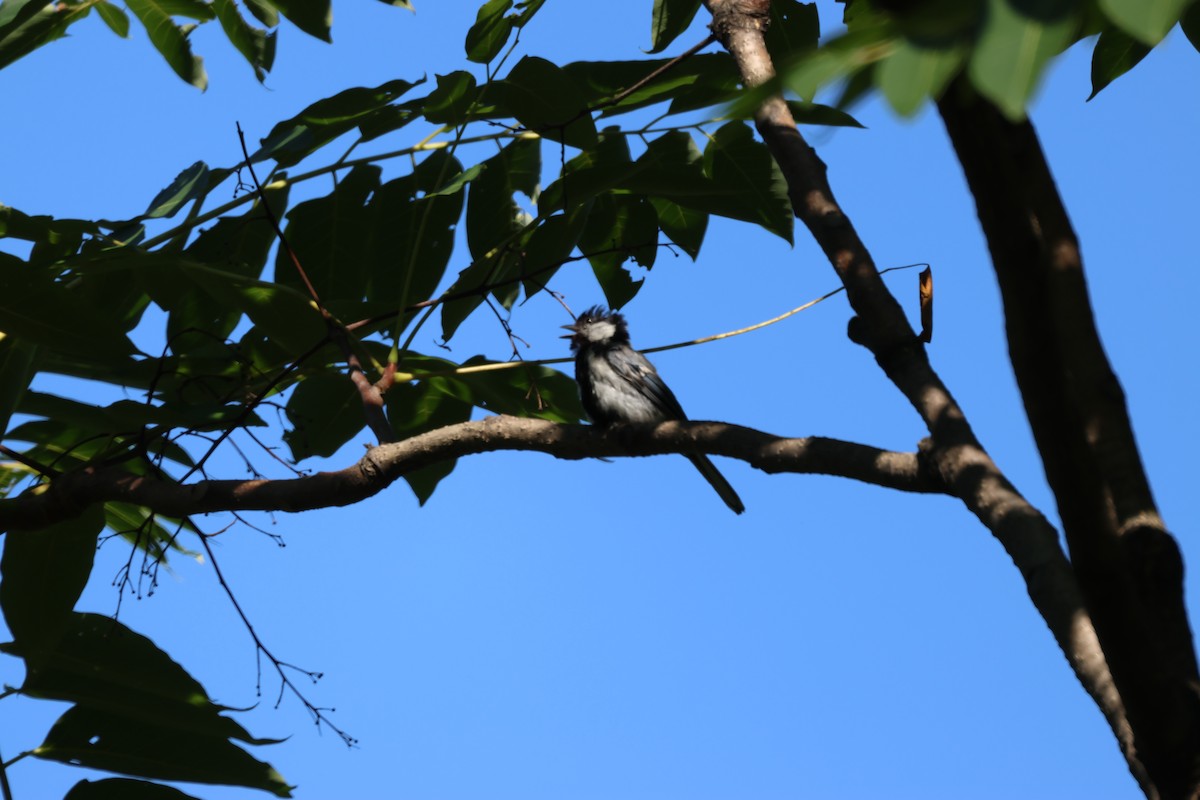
{"points": [[880, 326], [70, 494], [1128, 566]]}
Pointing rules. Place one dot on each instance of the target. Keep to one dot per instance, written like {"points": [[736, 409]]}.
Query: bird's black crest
{"points": [[599, 314]]}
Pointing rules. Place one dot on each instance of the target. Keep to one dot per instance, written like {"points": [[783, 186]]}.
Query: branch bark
{"points": [[1127, 564], [881, 327], [68, 495]]}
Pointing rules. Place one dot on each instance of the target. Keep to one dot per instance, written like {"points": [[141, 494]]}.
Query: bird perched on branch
{"points": [[618, 384]]}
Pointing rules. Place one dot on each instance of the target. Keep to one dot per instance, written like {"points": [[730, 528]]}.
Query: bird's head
{"points": [[597, 326]]}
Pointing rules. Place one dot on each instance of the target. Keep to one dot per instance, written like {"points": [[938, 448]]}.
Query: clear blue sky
{"points": [[547, 629]]}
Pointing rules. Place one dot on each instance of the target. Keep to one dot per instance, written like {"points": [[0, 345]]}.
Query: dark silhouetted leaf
{"points": [[170, 40], [488, 35], [547, 101], [453, 98], [114, 742], [1115, 54], [17, 367], [124, 789], [683, 226], [326, 411], [256, 45], [620, 227], [43, 573], [669, 19], [325, 120], [311, 16]]}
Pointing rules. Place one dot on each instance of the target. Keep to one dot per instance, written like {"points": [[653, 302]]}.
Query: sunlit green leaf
{"points": [[188, 184], [26, 25], [913, 74], [114, 17], [1012, 51], [1145, 20]]}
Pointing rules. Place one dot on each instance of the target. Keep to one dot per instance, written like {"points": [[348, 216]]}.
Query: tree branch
{"points": [[68, 495], [880, 326], [1127, 564]]}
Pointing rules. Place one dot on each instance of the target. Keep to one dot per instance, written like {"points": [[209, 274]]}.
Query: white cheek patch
{"points": [[600, 331]]}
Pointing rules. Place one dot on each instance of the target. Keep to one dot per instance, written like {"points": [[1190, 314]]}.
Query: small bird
{"points": [[618, 384]]}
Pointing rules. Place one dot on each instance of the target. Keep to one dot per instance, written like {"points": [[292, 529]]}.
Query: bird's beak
{"points": [[574, 329]]}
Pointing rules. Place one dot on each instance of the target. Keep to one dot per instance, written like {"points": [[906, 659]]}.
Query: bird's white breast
{"points": [[615, 397]]}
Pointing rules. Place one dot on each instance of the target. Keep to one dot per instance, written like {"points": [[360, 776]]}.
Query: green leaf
{"points": [[18, 362], [114, 17], [490, 33], [494, 221], [683, 226], [1115, 54], [451, 101], [703, 80], [668, 20], [525, 11], [1012, 52], [188, 185], [332, 237], [170, 40], [417, 407], [547, 101], [912, 74], [794, 28], [1145, 20], [44, 572], [742, 165], [285, 315], [256, 45], [326, 412], [817, 114], [1190, 25], [124, 789], [238, 245], [264, 11], [548, 247], [26, 25], [293, 139], [36, 308], [101, 664], [314, 17], [522, 391], [113, 742], [620, 227], [142, 528], [417, 232]]}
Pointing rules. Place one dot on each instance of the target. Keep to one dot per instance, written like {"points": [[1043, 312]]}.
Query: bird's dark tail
{"points": [[718, 482]]}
